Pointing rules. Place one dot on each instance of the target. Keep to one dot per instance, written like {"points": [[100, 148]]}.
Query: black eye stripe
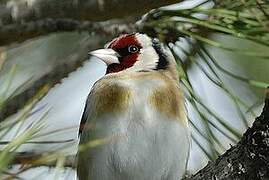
{"points": [[123, 51]]}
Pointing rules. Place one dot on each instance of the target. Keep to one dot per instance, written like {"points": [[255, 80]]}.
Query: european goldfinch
{"points": [[135, 114]]}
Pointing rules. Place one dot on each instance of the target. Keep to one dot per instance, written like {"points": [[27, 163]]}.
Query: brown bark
{"points": [[249, 159]]}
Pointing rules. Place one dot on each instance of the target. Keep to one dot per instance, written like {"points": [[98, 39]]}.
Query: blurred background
{"points": [[222, 50]]}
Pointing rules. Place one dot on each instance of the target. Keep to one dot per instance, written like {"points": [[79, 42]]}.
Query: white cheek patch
{"points": [[144, 40], [148, 57]]}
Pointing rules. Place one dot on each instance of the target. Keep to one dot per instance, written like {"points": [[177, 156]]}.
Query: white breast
{"points": [[145, 144]]}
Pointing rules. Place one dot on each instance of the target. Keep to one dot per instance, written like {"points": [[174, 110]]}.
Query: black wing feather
{"points": [[83, 118]]}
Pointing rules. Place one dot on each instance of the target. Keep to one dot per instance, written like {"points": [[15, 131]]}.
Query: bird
{"points": [[134, 125]]}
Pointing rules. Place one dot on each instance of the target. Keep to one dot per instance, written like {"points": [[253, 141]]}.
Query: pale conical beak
{"points": [[109, 56]]}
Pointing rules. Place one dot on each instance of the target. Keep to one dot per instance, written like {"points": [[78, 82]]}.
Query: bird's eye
{"points": [[133, 49]]}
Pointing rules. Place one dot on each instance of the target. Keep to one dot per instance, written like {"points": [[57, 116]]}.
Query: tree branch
{"points": [[249, 159], [43, 159], [61, 70], [72, 62], [13, 11], [25, 19], [20, 32]]}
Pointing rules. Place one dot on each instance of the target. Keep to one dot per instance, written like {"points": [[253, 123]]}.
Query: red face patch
{"points": [[123, 41], [128, 48]]}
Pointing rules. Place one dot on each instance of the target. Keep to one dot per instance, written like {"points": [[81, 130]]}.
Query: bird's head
{"points": [[133, 52]]}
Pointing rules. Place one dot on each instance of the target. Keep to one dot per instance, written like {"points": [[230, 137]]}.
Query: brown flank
{"points": [[169, 101], [111, 98]]}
